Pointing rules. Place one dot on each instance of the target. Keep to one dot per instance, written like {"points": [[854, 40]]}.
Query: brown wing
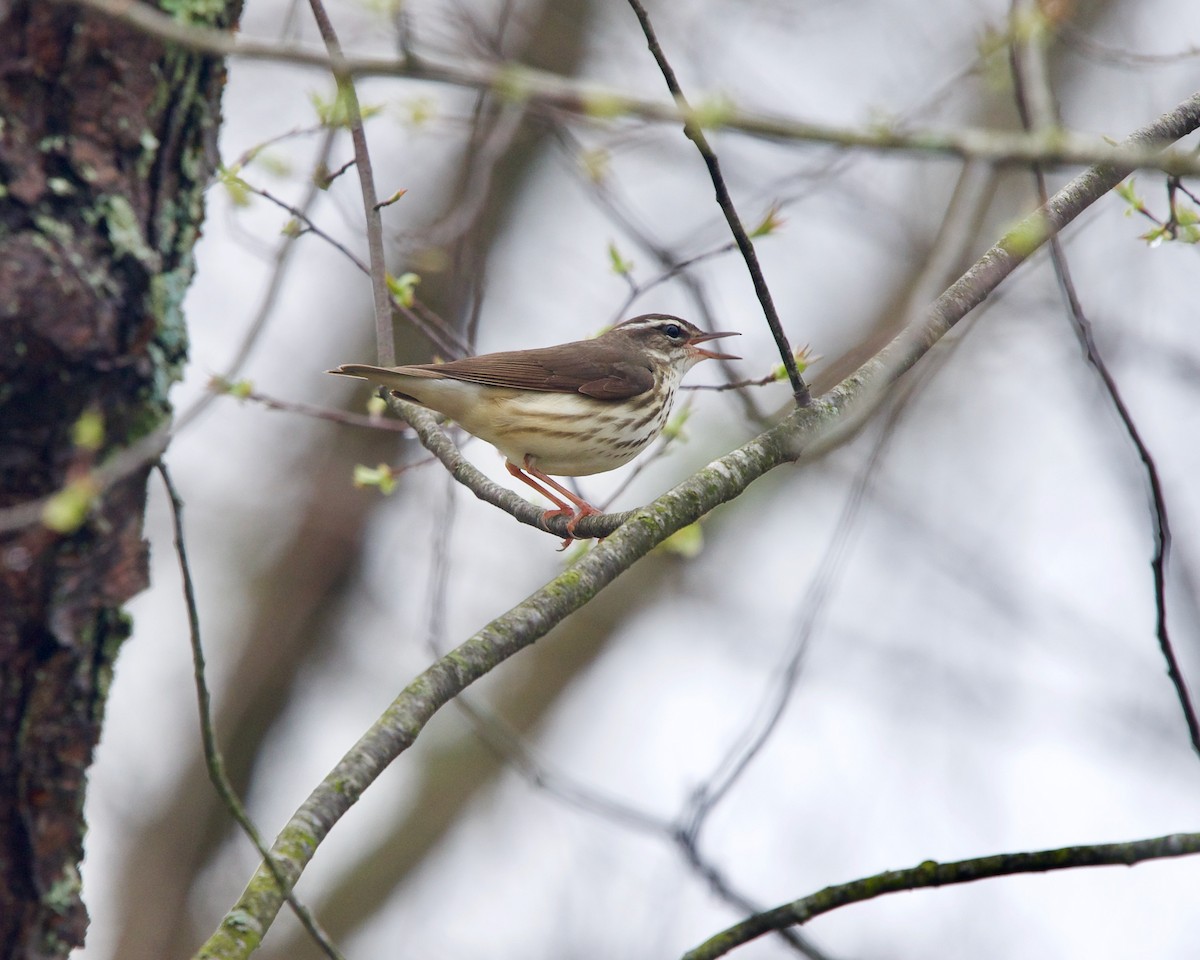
{"points": [[590, 367]]}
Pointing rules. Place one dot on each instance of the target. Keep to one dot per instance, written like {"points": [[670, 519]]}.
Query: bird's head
{"points": [[670, 340]]}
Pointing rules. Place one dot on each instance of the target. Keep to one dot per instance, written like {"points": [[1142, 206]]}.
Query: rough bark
{"points": [[106, 142]]}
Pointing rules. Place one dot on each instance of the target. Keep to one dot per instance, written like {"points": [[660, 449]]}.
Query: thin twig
{"points": [[213, 759], [510, 747], [1030, 70], [440, 333], [735, 385], [720, 886], [250, 154], [328, 176], [670, 273], [1076, 37], [344, 417], [283, 260], [309, 226], [385, 337], [696, 134]]}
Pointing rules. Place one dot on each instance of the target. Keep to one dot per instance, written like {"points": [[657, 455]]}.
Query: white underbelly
{"points": [[566, 434]]}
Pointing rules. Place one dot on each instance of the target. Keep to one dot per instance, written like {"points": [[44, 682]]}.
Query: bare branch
{"points": [[385, 338], [309, 226], [932, 874], [695, 133], [240, 392], [1035, 103], [213, 759]]}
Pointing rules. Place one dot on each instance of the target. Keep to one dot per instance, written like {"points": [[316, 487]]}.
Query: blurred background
{"points": [[935, 641]]}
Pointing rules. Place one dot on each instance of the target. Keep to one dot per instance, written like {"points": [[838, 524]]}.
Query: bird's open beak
{"points": [[712, 354]]}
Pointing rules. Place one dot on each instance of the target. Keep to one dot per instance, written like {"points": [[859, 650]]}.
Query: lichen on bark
{"points": [[106, 145]]}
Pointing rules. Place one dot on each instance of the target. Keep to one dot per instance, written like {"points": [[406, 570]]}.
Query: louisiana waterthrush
{"points": [[571, 410]]}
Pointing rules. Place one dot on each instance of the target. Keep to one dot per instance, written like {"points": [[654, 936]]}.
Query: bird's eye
{"points": [[673, 330]]}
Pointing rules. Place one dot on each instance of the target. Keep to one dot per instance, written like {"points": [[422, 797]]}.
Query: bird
{"points": [[570, 410]]}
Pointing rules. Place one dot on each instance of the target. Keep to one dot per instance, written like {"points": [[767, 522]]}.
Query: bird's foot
{"points": [[584, 510], [560, 512]]}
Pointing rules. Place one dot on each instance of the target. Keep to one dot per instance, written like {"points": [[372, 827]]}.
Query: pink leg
{"points": [[562, 507], [547, 488]]}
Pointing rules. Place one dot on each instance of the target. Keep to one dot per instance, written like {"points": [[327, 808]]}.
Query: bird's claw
{"points": [[575, 518]]}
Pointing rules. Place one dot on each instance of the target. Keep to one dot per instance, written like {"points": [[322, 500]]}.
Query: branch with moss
{"points": [[933, 874]]}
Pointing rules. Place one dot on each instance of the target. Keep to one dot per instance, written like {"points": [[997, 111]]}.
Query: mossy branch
{"points": [[932, 874]]}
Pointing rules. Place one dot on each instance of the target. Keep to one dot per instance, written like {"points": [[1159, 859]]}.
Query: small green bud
{"points": [[805, 357], [419, 110], [238, 189], [403, 287], [66, 511], [1125, 191], [381, 476], [240, 389], [275, 164], [88, 431], [770, 222], [1155, 237], [618, 263], [392, 199]]}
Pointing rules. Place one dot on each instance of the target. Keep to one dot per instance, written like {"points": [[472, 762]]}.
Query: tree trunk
{"points": [[106, 143]]}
